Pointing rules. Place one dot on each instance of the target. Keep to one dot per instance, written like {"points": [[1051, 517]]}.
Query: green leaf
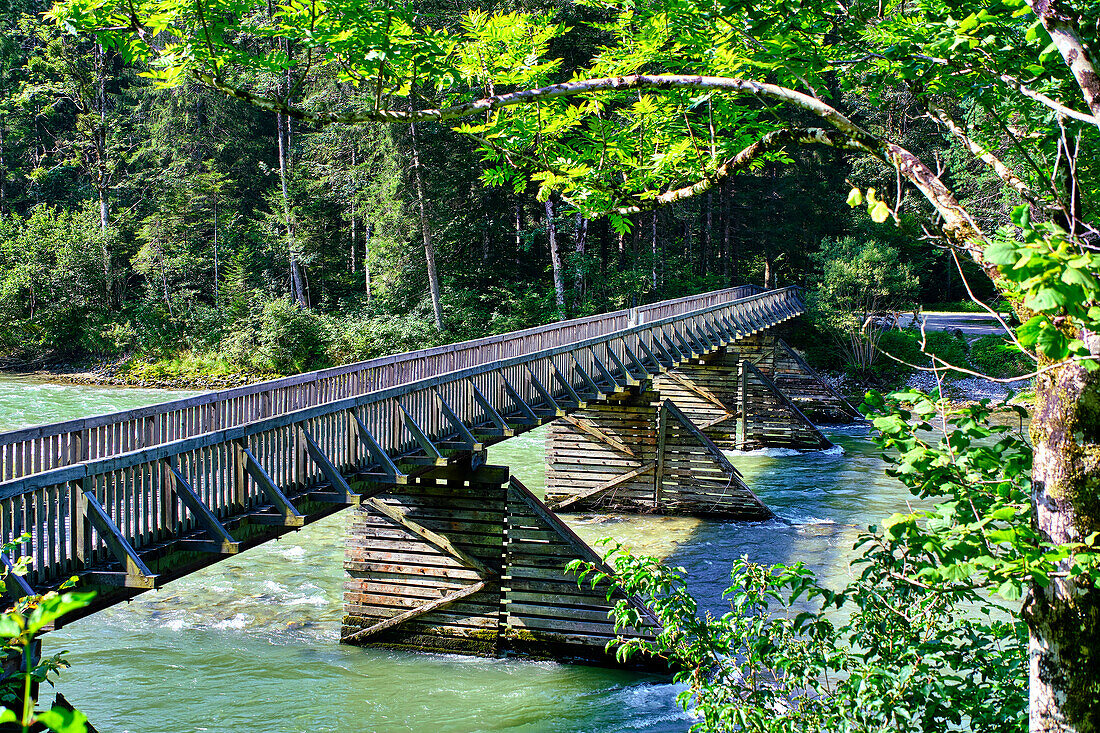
{"points": [[60, 720], [1011, 590], [855, 198], [879, 212], [1001, 253], [1046, 299]]}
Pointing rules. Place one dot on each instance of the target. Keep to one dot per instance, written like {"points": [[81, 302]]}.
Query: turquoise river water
{"points": [[251, 643]]}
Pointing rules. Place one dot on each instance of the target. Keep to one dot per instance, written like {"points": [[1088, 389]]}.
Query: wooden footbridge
{"points": [[444, 552]]}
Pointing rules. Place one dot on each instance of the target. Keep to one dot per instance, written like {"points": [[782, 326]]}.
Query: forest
{"points": [[175, 234]]}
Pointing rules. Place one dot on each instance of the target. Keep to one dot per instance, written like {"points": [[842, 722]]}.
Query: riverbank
{"points": [[182, 372]]}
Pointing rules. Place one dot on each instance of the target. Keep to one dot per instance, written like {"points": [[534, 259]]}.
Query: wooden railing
{"points": [[116, 488], [40, 448]]}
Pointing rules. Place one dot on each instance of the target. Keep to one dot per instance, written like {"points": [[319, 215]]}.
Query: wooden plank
{"points": [[589, 493], [137, 574], [201, 512], [587, 427], [341, 490], [401, 618], [283, 506], [400, 517], [378, 454]]}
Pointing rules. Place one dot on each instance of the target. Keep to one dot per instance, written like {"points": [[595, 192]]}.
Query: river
{"points": [[251, 643]]}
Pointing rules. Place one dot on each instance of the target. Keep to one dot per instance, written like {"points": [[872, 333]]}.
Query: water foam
{"points": [[237, 622]]}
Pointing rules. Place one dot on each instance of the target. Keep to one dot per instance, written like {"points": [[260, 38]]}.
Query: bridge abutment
{"points": [[641, 453], [468, 561]]}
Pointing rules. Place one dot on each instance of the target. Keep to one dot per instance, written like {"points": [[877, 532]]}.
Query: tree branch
{"points": [[1061, 24], [772, 141]]}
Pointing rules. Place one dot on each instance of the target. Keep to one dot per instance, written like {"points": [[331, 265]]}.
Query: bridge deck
{"points": [[130, 500]]}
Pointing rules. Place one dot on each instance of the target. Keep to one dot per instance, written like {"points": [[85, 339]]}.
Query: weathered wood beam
{"points": [[597, 393], [698, 391], [547, 398], [430, 450], [412, 613], [583, 550], [734, 327], [20, 581], [136, 574], [340, 489], [378, 454], [398, 516], [287, 512], [211, 525], [628, 378], [719, 457], [605, 372], [465, 437], [823, 442], [605, 486], [658, 366], [586, 427], [566, 387], [491, 412], [634, 361], [529, 415]]}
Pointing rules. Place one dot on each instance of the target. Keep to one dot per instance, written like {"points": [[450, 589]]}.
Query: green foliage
{"points": [[51, 280], [917, 641], [20, 625], [998, 357], [860, 284], [291, 339], [1053, 277]]}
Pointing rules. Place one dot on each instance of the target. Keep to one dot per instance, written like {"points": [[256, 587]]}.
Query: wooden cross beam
{"points": [[412, 613], [566, 386], [628, 378], [390, 471], [466, 439], [597, 393], [605, 486], [287, 514], [341, 492], [400, 517], [223, 543], [491, 412], [434, 456], [587, 427], [530, 418], [135, 572], [605, 372], [547, 398]]}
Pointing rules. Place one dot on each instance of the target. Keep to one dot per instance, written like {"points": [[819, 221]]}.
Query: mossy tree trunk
{"points": [[1064, 615]]}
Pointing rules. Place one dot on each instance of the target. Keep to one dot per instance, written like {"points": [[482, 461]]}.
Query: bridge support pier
{"points": [[640, 453], [468, 561], [731, 396]]}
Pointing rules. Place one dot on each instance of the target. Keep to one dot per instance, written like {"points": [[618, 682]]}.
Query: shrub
{"points": [[997, 357], [291, 339]]}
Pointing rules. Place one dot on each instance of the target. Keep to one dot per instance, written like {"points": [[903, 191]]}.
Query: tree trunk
{"points": [[366, 258], [727, 254], [425, 230], [555, 259], [1064, 617], [297, 290], [354, 238], [653, 246], [580, 242], [709, 221]]}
